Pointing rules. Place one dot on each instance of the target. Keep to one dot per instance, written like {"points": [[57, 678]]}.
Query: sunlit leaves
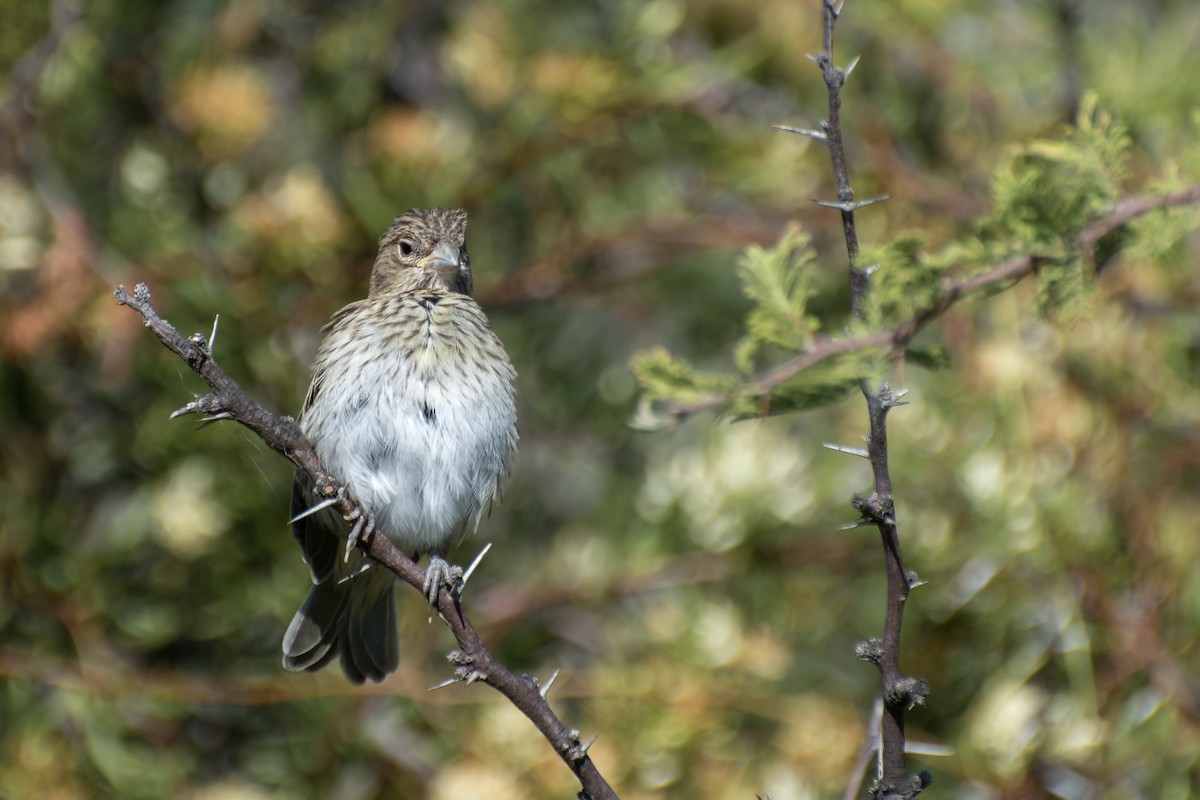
{"points": [[1158, 236], [665, 377], [933, 356], [1053, 187], [903, 279], [779, 282], [1047, 196], [817, 386]]}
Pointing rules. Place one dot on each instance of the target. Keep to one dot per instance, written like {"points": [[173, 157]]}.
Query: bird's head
{"points": [[424, 248]]}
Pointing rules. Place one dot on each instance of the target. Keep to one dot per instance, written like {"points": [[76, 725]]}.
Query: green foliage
{"points": [[1045, 197], [904, 281], [615, 159], [1052, 188], [934, 356], [1064, 290], [1161, 236], [779, 281], [817, 386], [665, 377]]}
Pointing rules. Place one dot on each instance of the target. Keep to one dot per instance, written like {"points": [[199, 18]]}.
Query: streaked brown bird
{"points": [[412, 406]]}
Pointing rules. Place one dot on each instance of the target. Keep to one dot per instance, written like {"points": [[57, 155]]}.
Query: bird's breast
{"points": [[418, 414]]}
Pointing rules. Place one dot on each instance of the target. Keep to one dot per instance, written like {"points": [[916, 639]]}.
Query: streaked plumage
{"points": [[412, 405]]}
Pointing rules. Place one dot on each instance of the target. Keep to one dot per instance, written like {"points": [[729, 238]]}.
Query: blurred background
{"points": [[242, 158]]}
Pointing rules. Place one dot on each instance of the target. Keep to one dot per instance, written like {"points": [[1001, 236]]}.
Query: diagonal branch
{"points": [[473, 662], [1131, 208]]}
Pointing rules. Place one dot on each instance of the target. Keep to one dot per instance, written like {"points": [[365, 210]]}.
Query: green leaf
{"points": [[904, 281], [1051, 188], [931, 357], [664, 377], [778, 281], [1159, 235], [819, 385], [1063, 290]]}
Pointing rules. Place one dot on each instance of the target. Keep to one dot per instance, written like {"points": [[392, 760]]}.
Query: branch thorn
{"points": [[810, 133], [475, 563], [852, 205], [448, 682], [850, 68], [544, 690], [321, 506], [366, 566], [890, 399], [841, 448]]}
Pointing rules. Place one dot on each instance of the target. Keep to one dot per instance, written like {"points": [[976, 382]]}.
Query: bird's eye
{"points": [[407, 248]]}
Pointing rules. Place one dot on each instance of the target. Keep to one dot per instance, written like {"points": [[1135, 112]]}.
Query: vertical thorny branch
{"points": [[899, 693]]}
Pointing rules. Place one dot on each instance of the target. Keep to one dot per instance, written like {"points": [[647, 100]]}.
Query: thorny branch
{"points": [[899, 693], [473, 661]]}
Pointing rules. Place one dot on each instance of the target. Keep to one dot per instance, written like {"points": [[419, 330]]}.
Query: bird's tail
{"points": [[356, 619]]}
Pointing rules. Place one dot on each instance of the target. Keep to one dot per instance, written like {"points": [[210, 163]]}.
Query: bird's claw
{"points": [[361, 531], [439, 573]]}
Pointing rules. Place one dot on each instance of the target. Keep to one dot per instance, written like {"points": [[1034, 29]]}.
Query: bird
{"points": [[412, 406]]}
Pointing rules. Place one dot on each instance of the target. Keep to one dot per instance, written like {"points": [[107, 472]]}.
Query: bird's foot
{"points": [[361, 531], [439, 573]]}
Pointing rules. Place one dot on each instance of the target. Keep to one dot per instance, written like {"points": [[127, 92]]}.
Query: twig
{"points": [[899, 693], [1125, 211], [473, 662]]}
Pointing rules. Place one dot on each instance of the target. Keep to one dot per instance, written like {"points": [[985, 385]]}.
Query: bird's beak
{"points": [[446, 258]]}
